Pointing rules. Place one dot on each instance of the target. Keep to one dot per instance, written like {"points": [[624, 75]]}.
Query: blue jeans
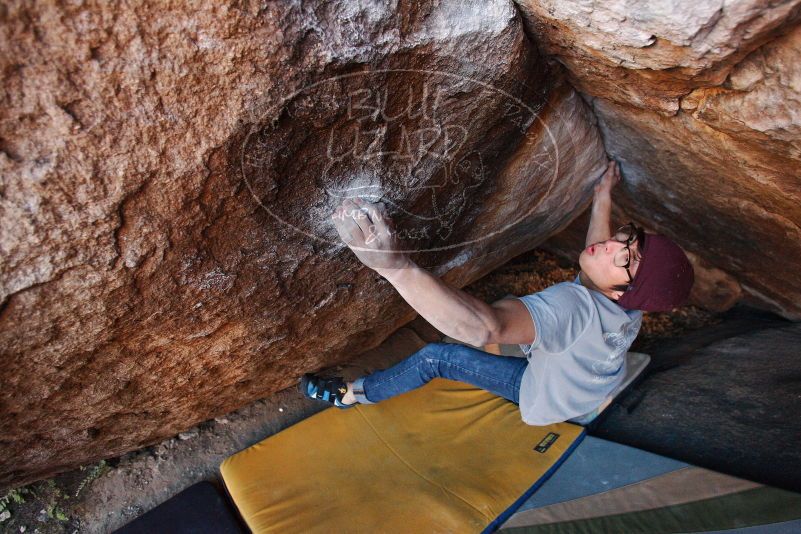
{"points": [[500, 375]]}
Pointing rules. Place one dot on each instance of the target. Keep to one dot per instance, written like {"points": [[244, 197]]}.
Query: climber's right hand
{"points": [[609, 179]]}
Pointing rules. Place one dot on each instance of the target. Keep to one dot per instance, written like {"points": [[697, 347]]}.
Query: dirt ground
{"points": [[102, 497]]}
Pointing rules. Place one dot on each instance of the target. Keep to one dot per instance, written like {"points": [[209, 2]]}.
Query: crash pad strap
{"points": [[447, 457]]}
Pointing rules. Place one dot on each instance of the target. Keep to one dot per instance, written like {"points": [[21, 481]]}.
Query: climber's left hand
{"points": [[367, 230]]}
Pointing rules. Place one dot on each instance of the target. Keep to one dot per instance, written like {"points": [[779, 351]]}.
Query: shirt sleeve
{"points": [[561, 314]]}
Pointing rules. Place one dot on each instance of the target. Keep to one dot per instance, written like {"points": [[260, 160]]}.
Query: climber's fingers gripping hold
{"points": [[380, 232], [347, 227], [370, 234], [359, 215], [609, 179]]}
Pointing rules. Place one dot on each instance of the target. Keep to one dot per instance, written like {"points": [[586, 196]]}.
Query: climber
{"points": [[575, 334]]}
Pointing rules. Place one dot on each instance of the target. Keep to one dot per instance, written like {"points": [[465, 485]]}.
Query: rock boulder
{"points": [[167, 181], [700, 101]]}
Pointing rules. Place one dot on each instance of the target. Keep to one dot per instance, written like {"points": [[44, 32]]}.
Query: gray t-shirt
{"points": [[578, 355]]}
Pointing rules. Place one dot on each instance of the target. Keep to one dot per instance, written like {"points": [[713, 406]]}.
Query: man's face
{"points": [[600, 263]]}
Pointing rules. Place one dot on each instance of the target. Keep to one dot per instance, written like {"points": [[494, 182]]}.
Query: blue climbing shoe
{"points": [[328, 390]]}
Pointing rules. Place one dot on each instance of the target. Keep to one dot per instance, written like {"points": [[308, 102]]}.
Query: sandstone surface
{"points": [[167, 177]]}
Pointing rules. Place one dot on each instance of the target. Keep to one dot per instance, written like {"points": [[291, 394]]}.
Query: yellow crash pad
{"points": [[447, 457]]}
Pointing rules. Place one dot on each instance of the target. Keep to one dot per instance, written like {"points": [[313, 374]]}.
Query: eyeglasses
{"points": [[628, 234]]}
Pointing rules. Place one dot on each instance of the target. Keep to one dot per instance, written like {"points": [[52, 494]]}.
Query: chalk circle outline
{"points": [[254, 129]]}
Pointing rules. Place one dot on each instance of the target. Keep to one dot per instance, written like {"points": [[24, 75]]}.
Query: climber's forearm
{"points": [[600, 220], [450, 310]]}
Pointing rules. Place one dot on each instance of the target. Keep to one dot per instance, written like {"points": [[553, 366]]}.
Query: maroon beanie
{"points": [[663, 280]]}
